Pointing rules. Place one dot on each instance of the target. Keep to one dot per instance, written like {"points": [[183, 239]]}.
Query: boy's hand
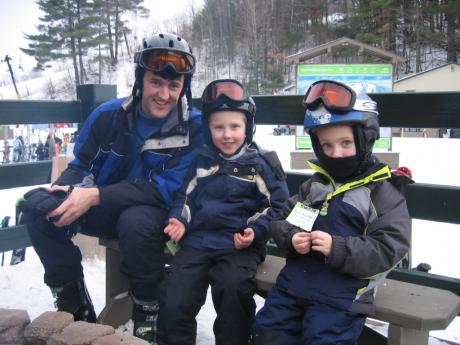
{"points": [[321, 242], [301, 241], [175, 229], [243, 240]]}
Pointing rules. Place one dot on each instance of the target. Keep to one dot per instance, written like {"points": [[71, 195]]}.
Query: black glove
{"points": [[41, 201]]}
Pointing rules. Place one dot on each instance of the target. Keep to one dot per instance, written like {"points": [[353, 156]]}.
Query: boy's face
{"points": [[337, 141], [160, 95], [228, 131]]}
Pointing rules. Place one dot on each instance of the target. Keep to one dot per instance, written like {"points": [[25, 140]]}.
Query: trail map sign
{"points": [[371, 78], [363, 78]]}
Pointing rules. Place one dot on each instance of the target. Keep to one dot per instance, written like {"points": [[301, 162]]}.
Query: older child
{"points": [[344, 230], [221, 219]]}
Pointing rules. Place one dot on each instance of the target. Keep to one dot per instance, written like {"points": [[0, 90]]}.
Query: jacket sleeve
{"points": [[180, 207], [386, 239], [90, 138], [280, 229], [171, 178], [273, 191]]}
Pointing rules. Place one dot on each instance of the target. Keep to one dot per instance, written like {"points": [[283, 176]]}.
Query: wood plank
{"points": [[39, 112]]}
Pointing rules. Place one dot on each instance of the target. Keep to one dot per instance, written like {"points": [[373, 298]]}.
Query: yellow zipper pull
{"points": [[324, 207]]}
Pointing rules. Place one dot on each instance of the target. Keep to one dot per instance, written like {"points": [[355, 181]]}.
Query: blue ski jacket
{"points": [[225, 196], [108, 145]]}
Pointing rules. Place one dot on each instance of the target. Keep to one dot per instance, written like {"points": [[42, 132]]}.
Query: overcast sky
{"points": [[21, 16]]}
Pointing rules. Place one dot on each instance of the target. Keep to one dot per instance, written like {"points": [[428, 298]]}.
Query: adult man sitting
{"points": [[130, 157]]}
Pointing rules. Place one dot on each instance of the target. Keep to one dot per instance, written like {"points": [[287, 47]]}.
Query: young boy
{"points": [[344, 230], [221, 219]]}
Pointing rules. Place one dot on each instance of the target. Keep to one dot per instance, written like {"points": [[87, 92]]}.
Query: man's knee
{"points": [[141, 221]]}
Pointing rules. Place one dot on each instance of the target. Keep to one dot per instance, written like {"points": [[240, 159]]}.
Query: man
{"points": [[130, 157]]}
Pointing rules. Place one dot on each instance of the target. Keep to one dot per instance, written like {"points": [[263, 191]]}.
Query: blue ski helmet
{"points": [[332, 103]]}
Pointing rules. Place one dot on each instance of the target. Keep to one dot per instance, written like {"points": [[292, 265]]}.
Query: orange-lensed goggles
{"points": [[158, 60], [335, 96], [228, 87]]}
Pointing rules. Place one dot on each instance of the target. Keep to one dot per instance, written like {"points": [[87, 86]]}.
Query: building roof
{"points": [[427, 71], [326, 48]]}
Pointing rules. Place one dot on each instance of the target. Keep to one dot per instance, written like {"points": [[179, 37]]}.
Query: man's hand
{"points": [[301, 241], [175, 229], [76, 204], [243, 240], [321, 242]]}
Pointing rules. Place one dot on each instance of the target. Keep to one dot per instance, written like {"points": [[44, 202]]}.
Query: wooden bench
{"points": [[411, 310]]}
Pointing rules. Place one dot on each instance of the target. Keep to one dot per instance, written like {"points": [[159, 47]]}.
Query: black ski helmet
{"points": [[222, 101], [170, 43]]}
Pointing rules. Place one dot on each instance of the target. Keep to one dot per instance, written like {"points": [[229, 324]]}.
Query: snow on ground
{"points": [[431, 160]]}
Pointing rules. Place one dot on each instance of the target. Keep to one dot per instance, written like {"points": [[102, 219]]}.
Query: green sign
{"points": [[383, 144], [302, 142], [333, 70], [367, 78]]}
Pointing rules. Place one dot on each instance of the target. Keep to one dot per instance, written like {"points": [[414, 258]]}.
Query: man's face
{"points": [[160, 95]]}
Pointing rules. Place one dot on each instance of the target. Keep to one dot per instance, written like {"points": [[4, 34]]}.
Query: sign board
{"points": [[363, 78], [369, 78]]}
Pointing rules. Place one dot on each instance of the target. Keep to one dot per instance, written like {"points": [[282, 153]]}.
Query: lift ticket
{"points": [[303, 216]]}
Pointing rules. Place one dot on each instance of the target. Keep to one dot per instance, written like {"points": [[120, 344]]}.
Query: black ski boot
{"points": [[73, 298], [145, 314]]}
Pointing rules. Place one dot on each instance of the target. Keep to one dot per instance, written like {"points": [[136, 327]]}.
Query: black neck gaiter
{"points": [[340, 168]]}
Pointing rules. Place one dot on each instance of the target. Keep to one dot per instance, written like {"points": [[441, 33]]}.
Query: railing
{"points": [[421, 110]]}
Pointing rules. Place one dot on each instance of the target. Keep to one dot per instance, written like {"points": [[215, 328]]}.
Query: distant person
{"points": [[18, 149], [131, 156], [287, 130], [41, 151], [342, 233], [221, 218], [56, 140], [73, 137], [6, 151]]}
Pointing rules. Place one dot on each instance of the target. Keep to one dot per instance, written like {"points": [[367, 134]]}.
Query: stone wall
{"points": [[57, 328]]}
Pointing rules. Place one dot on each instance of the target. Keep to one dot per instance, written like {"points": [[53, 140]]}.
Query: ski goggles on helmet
{"points": [[228, 87], [156, 60], [227, 92], [335, 96]]}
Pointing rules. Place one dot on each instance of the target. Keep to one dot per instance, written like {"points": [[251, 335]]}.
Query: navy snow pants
{"points": [[141, 240], [231, 274], [296, 321]]}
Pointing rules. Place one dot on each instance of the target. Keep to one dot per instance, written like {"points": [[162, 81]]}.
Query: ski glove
{"points": [[41, 201]]}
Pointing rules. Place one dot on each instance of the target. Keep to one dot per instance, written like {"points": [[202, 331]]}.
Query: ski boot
{"points": [[145, 314], [73, 298]]}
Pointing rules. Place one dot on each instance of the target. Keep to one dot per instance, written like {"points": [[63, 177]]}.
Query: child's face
{"points": [[228, 130], [337, 141]]}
